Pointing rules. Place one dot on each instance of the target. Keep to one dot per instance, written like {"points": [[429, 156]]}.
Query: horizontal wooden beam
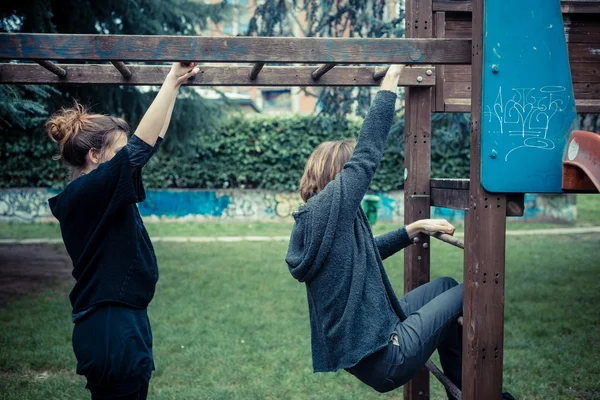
{"points": [[567, 6], [31, 46], [93, 74], [454, 194], [464, 105], [452, 6]]}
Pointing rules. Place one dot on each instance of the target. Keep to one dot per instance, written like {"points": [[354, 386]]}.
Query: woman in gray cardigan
{"points": [[357, 322]]}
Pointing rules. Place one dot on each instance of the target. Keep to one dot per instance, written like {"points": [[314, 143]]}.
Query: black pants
{"points": [[113, 347], [432, 310], [141, 394]]}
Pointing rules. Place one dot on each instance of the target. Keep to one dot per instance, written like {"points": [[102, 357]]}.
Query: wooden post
{"points": [[440, 32], [417, 164], [485, 237], [322, 70], [255, 70], [55, 69], [120, 66]]}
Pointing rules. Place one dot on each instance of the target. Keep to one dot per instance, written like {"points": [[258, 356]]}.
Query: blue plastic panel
{"points": [[528, 108]]}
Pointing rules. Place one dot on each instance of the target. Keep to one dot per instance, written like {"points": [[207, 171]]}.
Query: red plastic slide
{"points": [[581, 166]]}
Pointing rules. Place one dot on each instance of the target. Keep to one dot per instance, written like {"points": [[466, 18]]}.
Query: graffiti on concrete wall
{"points": [[25, 205], [550, 208], [31, 205]]}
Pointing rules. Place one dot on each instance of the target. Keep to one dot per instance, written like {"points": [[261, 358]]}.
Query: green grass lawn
{"points": [[230, 322], [588, 209]]}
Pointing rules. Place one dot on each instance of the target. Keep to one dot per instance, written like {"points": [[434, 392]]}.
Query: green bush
{"points": [[266, 152]]}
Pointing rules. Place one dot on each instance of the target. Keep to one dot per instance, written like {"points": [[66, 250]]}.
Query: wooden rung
{"points": [[448, 239], [322, 70], [377, 75], [55, 69], [255, 70], [447, 383], [120, 65]]}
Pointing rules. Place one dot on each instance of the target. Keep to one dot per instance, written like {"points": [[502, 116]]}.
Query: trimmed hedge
{"points": [[266, 152]]}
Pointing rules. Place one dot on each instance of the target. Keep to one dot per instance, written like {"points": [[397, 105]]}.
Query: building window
{"points": [[278, 100]]}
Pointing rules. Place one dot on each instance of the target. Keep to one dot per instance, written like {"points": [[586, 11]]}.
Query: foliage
{"points": [[250, 152], [143, 17], [20, 108], [330, 18]]}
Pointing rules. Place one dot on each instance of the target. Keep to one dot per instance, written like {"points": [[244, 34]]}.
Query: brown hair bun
{"points": [[67, 123]]}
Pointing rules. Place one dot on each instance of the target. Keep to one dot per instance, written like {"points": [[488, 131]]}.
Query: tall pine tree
{"points": [[23, 108]]}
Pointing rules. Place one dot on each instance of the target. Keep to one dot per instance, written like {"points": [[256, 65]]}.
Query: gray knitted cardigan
{"points": [[352, 306]]}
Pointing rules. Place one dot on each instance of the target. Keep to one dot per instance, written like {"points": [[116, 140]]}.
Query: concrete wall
{"points": [[30, 205]]}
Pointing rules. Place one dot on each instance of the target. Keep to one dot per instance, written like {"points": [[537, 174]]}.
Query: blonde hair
{"points": [[77, 132], [325, 162]]}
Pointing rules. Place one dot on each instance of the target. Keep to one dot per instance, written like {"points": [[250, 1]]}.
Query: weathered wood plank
{"points": [[454, 193], [450, 183], [455, 199], [585, 91], [484, 261], [457, 89], [452, 5], [567, 6], [584, 53], [31, 46], [464, 105], [579, 28], [92, 74], [580, 7], [588, 106], [438, 93], [417, 150], [580, 73], [457, 73], [457, 105]]}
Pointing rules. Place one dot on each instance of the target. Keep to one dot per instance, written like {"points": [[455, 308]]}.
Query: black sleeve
{"points": [[392, 242], [140, 151], [115, 183]]}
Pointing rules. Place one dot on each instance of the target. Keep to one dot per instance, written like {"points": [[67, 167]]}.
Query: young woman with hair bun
{"points": [[114, 265]]}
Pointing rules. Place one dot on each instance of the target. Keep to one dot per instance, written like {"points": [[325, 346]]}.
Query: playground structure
{"points": [[464, 53]]}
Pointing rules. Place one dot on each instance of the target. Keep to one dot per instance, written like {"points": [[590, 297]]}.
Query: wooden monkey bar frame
{"points": [[429, 89]]}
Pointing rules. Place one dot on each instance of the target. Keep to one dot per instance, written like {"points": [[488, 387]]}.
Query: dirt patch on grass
{"points": [[25, 269]]}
